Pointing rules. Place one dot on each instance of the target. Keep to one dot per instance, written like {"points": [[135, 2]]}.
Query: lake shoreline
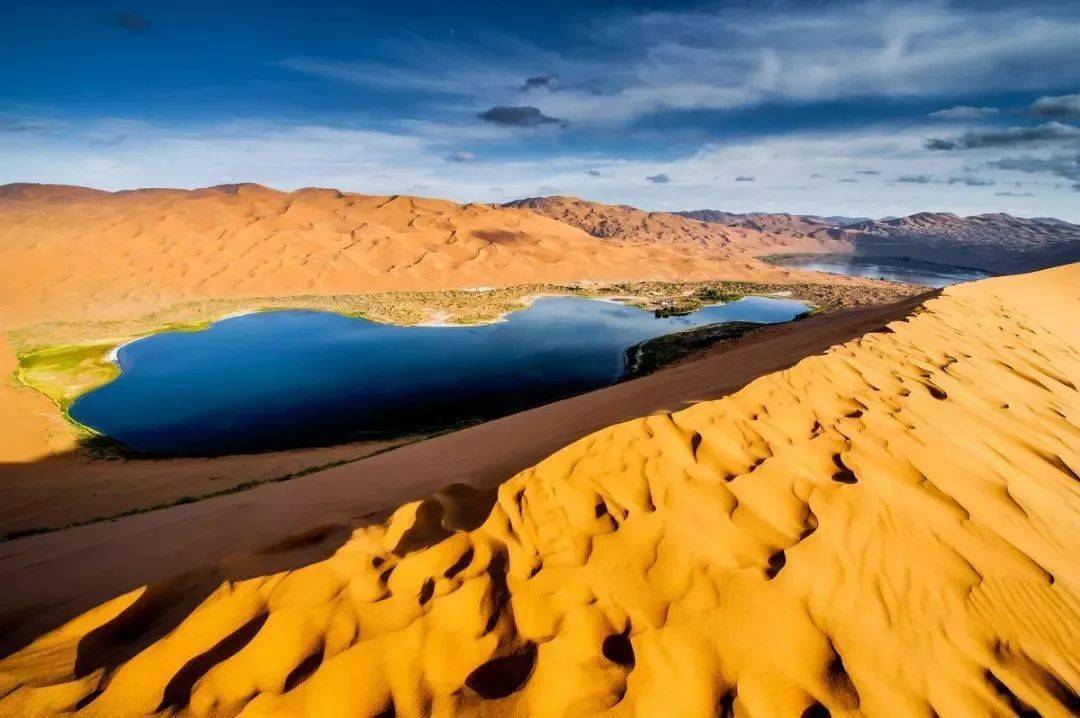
{"points": [[370, 380], [896, 268], [65, 361]]}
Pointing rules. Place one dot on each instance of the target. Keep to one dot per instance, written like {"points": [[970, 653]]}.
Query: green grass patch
{"points": [[654, 354], [63, 373]]}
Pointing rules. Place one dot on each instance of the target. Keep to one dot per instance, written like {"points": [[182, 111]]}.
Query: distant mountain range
{"points": [[762, 220], [728, 233], [997, 242]]}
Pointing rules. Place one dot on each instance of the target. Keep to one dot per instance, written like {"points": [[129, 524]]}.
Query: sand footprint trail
{"points": [[890, 528]]}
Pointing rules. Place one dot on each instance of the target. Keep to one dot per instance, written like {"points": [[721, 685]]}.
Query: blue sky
{"points": [[853, 107]]}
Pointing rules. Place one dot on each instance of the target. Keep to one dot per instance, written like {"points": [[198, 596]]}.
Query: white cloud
{"points": [[965, 112], [1060, 106], [738, 57], [294, 156], [1048, 133], [783, 166], [290, 156]]}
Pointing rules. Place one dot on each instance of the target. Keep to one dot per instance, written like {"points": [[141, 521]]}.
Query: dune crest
{"points": [[890, 528], [100, 255]]}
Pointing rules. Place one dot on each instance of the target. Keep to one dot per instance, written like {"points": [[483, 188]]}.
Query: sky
{"points": [[847, 107]]}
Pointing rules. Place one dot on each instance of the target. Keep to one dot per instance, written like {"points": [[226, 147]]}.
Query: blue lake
{"points": [[895, 269], [285, 379]]}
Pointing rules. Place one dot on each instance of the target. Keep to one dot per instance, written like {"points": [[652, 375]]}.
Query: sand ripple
{"points": [[887, 529]]}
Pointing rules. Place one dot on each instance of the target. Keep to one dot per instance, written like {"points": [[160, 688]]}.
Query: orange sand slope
{"points": [[87, 254], [888, 529], [81, 254]]}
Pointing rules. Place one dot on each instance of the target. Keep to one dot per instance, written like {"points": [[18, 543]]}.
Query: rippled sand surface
{"points": [[890, 528]]}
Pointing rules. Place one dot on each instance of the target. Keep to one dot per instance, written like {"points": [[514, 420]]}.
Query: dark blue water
{"points": [[298, 378], [892, 268]]}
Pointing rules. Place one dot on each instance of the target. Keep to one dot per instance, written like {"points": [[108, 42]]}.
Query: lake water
{"points": [[298, 378], [892, 268]]}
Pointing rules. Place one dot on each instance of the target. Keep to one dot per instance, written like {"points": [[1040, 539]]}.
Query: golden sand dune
{"points": [[97, 255], [85, 255], [887, 529]]}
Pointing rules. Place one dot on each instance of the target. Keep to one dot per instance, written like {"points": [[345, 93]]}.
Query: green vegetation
{"points": [[716, 295], [696, 300], [653, 354], [64, 372]]}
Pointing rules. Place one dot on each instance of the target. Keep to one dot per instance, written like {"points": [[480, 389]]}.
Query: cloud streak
{"points": [[417, 161], [1066, 166], [965, 112], [1062, 106], [1046, 132], [517, 116], [538, 81], [767, 55]]}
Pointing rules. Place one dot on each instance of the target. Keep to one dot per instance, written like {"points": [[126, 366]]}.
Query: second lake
{"points": [[895, 269], [284, 379]]}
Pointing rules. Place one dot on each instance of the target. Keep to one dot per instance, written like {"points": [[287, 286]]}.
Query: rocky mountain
{"points": [[765, 221], [996, 242], [737, 238]]}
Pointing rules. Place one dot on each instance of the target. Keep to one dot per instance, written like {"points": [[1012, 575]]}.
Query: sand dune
{"points": [[107, 255], [887, 529], [87, 255], [240, 535]]}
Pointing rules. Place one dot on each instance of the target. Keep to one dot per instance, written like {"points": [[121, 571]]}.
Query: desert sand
{"points": [[84, 255], [97, 269], [74, 488], [889, 528], [157, 247]]}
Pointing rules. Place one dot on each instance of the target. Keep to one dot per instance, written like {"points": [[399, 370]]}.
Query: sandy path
{"points": [[101, 560], [72, 488]]}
